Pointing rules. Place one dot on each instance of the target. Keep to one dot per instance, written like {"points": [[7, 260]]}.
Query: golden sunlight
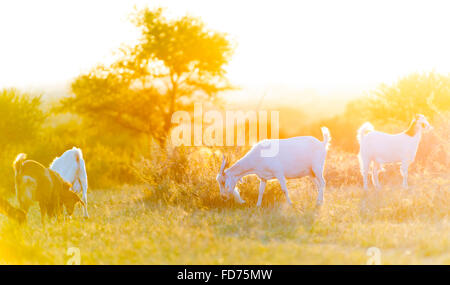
{"points": [[186, 132], [326, 46]]}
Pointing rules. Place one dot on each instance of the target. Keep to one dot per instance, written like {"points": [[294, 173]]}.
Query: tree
{"points": [[426, 93], [21, 117], [175, 62]]}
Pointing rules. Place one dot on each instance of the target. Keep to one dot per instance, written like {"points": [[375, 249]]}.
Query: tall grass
{"points": [[134, 226]]}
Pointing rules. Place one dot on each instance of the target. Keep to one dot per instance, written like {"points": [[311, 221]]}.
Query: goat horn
{"points": [[224, 162]]}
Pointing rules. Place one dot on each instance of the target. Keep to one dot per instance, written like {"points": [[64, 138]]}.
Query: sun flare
{"points": [[327, 46]]}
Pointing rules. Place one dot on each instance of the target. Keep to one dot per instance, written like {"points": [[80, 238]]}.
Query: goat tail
{"points": [[326, 137], [363, 130], [78, 154], [17, 166], [18, 162]]}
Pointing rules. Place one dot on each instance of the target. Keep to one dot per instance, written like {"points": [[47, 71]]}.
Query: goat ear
{"points": [[68, 185]]}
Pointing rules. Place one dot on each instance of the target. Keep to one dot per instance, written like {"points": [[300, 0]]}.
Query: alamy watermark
{"points": [[192, 133]]}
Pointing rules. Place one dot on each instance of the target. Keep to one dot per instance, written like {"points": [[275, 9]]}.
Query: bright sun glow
{"points": [[321, 45], [297, 166]]}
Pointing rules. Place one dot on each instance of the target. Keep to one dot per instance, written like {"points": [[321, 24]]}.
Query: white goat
{"points": [[381, 148], [70, 165], [295, 157]]}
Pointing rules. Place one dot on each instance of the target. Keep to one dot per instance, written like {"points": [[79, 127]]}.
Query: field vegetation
{"points": [[153, 203]]}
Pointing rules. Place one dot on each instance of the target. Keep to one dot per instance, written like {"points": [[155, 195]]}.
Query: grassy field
{"points": [[128, 226], [158, 111]]}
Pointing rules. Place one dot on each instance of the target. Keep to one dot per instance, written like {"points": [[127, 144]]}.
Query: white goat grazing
{"points": [[381, 148], [295, 157], [70, 165]]}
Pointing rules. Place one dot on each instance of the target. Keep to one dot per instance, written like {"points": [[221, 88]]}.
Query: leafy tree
{"points": [[21, 117], [427, 93], [175, 62]]}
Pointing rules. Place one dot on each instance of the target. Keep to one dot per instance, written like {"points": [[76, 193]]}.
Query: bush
{"points": [[21, 117]]}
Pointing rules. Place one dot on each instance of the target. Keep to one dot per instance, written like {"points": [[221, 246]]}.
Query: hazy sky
{"points": [[322, 45]]}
